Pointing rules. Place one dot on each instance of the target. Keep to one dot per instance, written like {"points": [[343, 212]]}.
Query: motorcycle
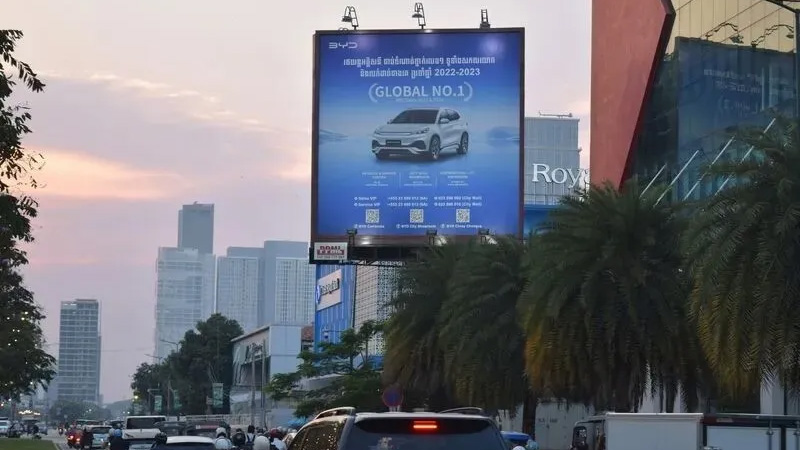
{"points": [[60, 431]]}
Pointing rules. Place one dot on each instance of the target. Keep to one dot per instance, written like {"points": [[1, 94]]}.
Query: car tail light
{"points": [[424, 425]]}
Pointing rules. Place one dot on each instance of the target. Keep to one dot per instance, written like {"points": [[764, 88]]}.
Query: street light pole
{"points": [[795, 10]]}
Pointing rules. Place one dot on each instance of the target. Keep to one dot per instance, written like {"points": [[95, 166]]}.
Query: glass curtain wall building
{"points": [[726, 64], [671, 81]]}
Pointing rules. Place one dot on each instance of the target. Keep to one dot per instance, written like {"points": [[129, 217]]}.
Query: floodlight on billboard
{"points": [[417, 130]]}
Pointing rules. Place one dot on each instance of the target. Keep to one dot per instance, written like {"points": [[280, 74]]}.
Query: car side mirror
{"points": [[444, 120]]}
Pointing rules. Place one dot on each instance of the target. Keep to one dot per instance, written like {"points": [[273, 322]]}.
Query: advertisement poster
{"points": [[723, 85], [419, 131]]}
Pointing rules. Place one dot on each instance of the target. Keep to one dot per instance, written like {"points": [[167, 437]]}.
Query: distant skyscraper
{"points": [[552, 158], [184, 294], [237, 290], [196, 227], [79, 351], [268, 256], [295, 281]]}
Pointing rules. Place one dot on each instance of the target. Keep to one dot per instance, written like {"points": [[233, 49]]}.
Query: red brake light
{"points": [[424, 425]]}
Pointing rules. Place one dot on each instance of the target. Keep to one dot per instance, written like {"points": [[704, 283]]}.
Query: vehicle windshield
{"points": [[424, 434], [416, 116], [206, 432], [142, 422]]}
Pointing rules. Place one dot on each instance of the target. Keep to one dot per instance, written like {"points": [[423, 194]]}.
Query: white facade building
{"points": [[552, 159], [257, 357], [184, 294], [375, 288], [295, 281], [237, 290]]}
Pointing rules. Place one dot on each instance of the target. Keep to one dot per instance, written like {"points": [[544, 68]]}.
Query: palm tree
{"points": [[604, 311], [479, 333], [744, 251], [413, 357]]}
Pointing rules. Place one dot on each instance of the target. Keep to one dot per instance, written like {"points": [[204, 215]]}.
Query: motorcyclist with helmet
{"points": [[222, 442], [115, 441], [275, 439], [161, 442]]}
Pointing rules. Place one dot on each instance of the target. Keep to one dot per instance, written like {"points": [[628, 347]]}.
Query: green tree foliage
{"points": [[23, 361], [150, 380], [204, 356], [480, 333], [604, 312], [414, 357], [358, 382], [744, 250]]}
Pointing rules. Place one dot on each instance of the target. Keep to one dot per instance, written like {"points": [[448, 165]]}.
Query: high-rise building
{"points": [[295, 281], [552, 159], [79, 351], [375, 287], [272, 251], [184, 294], [268, 284], [664, 103], [238, 285], [196, 227]]}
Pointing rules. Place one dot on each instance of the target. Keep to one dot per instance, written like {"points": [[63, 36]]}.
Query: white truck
{"points": [[686, 431], [142, 427]]}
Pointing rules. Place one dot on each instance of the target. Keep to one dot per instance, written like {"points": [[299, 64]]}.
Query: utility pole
{"points": [[263, 382], [252, 383]]}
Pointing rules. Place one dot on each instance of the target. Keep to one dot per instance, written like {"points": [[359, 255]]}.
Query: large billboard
{"points": [[723, 85], [414, 131]]}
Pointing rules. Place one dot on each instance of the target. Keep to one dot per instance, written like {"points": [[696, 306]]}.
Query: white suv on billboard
{"points": [[422, 131]]}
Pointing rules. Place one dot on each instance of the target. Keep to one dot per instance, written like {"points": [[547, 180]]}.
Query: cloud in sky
{"points": [[150, 105]]}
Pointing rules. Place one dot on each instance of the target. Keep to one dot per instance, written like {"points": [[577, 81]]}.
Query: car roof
{"points": [[416, 415], [189, 440]]}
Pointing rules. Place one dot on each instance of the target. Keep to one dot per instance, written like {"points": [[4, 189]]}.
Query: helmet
{"points": [[161, 438], [273, 432], [221, 431], [117, 432], [261, 443], [223, 444]]}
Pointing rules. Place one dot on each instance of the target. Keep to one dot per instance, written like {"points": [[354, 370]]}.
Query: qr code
{"points": [[416, 216], [373, 216], [462, 216]]}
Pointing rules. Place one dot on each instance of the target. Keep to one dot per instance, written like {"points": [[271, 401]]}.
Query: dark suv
{"points": [[344, 429]]}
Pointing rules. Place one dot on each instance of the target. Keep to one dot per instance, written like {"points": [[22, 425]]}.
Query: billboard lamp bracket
{"points": [[419, 14], [485, 19], [350, 16]]}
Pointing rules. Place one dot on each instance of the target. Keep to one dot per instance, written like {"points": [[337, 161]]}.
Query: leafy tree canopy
{"points": [[358, 383], [24, 363]]}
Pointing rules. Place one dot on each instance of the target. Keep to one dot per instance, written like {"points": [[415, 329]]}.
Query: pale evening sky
{"points": [[152, 104]]}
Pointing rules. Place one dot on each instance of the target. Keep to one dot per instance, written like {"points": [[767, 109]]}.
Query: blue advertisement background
{"points": [[351, 179], [724, 85]]}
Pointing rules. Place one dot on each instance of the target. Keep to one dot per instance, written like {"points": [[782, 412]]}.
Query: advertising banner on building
{"points": [[329, 290], [417, 131], [217, 391], [724, 85], [330, 251]]}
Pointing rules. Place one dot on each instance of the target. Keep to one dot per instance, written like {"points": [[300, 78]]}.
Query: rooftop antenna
{"points": [[419, 14]]}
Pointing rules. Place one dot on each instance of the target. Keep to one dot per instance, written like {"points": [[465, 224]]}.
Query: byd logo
{"points": [[337, 45], [571, 177]]}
